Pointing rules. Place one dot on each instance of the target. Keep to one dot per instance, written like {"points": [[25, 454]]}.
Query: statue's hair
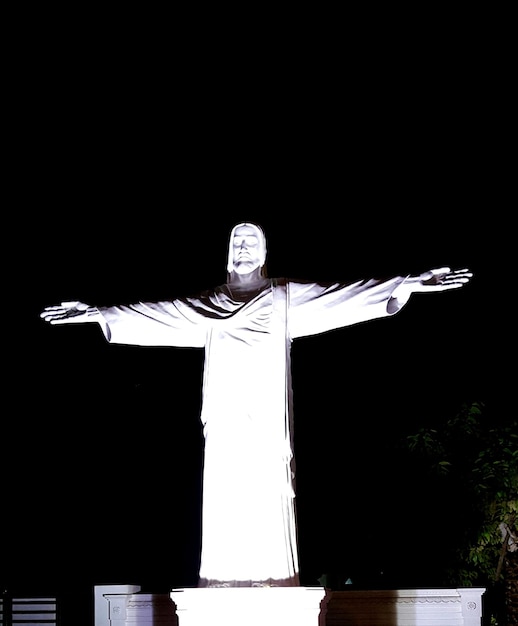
{"points": [[262, 244]]}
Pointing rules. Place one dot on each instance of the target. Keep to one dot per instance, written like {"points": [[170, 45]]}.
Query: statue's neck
{"points": [[243, 286]]}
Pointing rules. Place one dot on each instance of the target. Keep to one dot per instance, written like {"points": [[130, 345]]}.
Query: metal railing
{"points": [[28, 611]]}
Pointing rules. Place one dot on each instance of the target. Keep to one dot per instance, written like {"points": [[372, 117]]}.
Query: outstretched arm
{"points": [[439, 279]]}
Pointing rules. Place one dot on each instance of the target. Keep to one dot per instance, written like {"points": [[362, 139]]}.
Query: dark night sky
{"points": [[128, 188]]}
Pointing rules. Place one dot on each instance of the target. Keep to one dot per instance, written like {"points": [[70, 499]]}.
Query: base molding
{"points": [[406, 607]]}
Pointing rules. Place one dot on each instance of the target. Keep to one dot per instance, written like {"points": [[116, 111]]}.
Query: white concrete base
{"points": [[288, 606], [110, 601], [141, 609], [407, 607], [250, 606]]}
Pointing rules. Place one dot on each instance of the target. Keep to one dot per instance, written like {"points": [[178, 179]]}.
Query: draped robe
{"points": [[249, 535]]}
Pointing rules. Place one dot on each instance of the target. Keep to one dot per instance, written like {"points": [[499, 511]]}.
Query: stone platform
{"points": [[288, 606]]}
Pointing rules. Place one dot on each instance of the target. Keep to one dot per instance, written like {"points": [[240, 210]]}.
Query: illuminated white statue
{"points": [[246, 327]]}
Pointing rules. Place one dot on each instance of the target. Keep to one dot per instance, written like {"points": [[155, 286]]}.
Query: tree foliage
{"points": [[478, 457]]}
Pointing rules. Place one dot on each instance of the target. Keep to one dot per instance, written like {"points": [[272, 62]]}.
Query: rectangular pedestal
{"points": [[253, 606]]}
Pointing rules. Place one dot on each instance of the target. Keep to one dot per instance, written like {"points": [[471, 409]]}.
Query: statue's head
{"points": [[247, 249]]}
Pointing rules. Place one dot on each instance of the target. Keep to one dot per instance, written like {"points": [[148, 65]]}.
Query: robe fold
{"points": [[249, 535]]}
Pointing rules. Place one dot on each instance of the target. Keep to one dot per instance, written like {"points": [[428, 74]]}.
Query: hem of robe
{"points": [[293, 581]]}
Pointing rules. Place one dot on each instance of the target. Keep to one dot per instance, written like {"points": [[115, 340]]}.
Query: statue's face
{"points": [[247, 249]]}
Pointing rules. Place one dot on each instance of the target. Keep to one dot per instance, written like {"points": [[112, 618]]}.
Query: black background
{"points": [[133, 158]]}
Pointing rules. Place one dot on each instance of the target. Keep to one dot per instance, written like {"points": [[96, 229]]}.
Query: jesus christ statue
{"points": [[246, 327]]}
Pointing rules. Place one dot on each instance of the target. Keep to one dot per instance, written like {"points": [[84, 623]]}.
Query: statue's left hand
{"points": [[440, 279]]}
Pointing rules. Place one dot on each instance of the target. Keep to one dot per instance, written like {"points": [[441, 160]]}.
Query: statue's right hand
{"points": [[73, 312]]}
